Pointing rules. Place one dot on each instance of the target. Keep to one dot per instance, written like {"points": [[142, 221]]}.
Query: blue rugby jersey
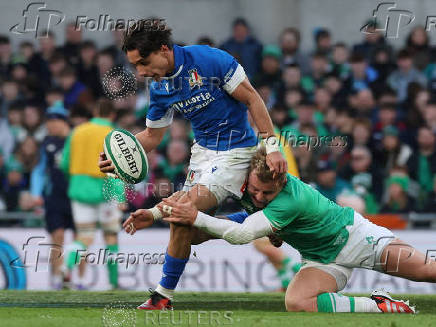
{"points": [[200, 89]]}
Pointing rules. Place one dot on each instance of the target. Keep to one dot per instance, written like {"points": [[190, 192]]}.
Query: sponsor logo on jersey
{"points": [[194, 79], [196, 102]]}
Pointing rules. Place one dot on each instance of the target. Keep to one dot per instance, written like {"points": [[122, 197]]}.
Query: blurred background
{"points": [[319, 75]]}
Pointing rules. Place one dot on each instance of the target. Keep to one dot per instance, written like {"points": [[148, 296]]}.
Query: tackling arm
{"points": [[254, 226]]}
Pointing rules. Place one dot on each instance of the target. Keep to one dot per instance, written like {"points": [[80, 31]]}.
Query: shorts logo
{"points": [[190, 176], [214, 168], [194, 79], [370, 239]]}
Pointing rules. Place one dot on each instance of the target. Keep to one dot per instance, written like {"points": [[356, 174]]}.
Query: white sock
{"points": [[165, 292], [365, 304]]}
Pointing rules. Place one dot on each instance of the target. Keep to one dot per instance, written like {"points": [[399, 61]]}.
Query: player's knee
{"points": [[293, 304]]}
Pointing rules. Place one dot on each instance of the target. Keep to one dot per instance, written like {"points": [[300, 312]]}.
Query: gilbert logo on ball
{"points": [[127, 155]]}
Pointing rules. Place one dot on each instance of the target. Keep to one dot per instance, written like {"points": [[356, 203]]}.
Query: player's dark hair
{"points": [[147, 36]]}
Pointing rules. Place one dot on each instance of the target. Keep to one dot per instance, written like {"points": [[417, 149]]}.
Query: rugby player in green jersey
{"points": [[331, 239]]}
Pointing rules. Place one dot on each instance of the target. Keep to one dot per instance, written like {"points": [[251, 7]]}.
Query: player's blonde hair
{"points": [[260, 167]]}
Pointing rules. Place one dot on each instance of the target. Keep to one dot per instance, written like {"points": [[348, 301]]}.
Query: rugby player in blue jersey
{"points": [[209, 88]]}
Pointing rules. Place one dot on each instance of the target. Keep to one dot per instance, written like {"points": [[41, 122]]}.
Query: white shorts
{"points": [[107, 214], [363, 249], [222, 172]]}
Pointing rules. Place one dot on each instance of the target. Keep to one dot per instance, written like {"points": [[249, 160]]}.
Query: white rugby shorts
{"points": [[363, 249], [222, 172]]}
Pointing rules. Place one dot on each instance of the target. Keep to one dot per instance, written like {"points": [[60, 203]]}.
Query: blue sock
{"points": [[172, 270]]}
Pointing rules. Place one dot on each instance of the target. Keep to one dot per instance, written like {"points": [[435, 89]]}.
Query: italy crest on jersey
{"points": [[194, 79]]}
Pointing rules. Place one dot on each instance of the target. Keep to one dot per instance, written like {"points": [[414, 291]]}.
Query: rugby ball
{"points": [[127, 155]]}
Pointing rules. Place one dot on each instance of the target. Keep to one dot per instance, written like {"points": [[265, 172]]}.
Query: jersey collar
{"points": [[178, 61]]}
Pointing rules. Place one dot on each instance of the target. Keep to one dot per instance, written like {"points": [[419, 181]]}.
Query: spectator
{"points": [[341, 67], [417, 44], [9, 93], [174, 165], [244, 47], [270, 73], [323, 41], [5, 57], [289, 41], [397, 198], [35, 63], [363, 103], [362, 187], [15, 183], [290, 79], [415, 108], [392, 152], [306, 162], [32, 122], [319, 69], [47, 45], [362, 76], [362, 132], [328, 183], [373, 40], [306, 115], [362, 163], [399, 79], [430, 116], [54, 95], [422, 166], [15, 121], [383, 64], [279, 116], [75, 91], [71, 48], [56, 65], [119, 56], [322, 101], [87, 70]]}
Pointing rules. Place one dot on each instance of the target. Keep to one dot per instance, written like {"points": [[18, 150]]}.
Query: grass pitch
{"points": [[116, 309]]}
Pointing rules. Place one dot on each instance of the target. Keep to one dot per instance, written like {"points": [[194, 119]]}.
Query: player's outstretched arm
{"points": [[255, 226], [150, 138], [245, 93]]}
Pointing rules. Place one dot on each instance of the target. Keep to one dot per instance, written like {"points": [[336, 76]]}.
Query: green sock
{"points": [[335, 302], [112, 265], [75, 250]]}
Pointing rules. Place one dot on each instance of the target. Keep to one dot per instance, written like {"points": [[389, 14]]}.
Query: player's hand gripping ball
{"points": [[127, 155]]}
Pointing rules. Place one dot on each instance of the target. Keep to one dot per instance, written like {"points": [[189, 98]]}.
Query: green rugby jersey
{"points": [[306, 220]]}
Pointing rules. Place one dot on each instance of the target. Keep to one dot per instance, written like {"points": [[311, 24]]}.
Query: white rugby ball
{"points": [[127, 155]]}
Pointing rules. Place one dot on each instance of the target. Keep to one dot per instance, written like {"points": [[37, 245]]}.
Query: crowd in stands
{"points": [[371, 108]]}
